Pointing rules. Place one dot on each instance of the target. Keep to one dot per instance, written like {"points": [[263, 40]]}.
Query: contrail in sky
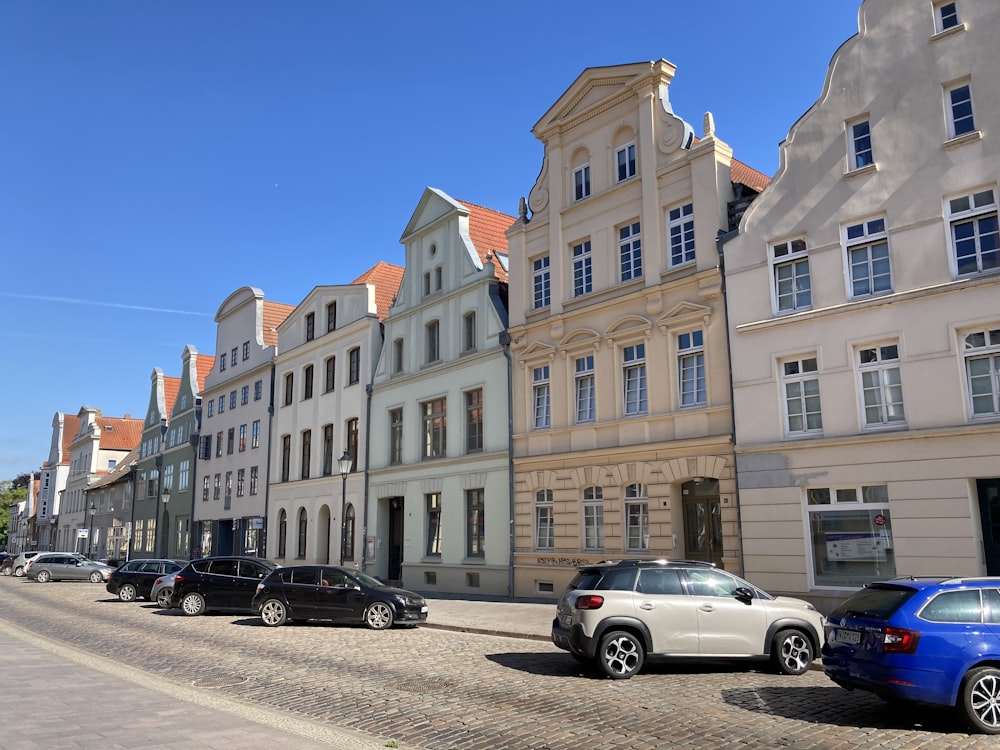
{"points": [[95, 303]]}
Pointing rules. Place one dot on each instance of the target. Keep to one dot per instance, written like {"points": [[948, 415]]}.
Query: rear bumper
{"points": [[920, 685], [573, 639]]}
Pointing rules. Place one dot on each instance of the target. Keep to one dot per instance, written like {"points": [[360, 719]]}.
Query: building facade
{"points": [[109, 506], [53, 476]]}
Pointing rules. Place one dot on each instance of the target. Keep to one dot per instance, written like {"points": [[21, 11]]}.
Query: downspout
{"points": [[131, 521], [364, 513], [195, 443], [267, 468], [505, 344]]}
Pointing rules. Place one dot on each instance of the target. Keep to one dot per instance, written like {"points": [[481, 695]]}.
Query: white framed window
{"points": [[625, 162], [859, 140], [792, 286], [583, 274], [634, 379], [881, 386], [397, 355], [867, 247], [541, 397], [630, 251], [469, 331], [593, 518], [636, 518], [583, 388], [541, 283], [972, 219], [680, 233], [691, 368], [433, 341], [800, 385], [958, 106], [433, 513], [544, 521], [851, 533], [434, 415], [581, 182], [474, 421], [946, 16], [981, 352]]}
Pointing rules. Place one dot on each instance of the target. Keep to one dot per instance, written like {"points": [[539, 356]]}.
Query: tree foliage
{"points": [[11, 492]]}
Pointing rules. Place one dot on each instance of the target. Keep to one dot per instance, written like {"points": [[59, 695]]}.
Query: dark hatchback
{"points": [[323, 592], [134, 580], [218, 583]]}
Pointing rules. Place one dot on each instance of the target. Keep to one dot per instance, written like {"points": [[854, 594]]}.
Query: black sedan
{"points": [[323, 592], [134, 580]]}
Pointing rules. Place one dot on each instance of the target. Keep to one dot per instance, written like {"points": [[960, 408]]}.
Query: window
{"points": [[351, 442], [593, 518], [636, 518], [691, 368], [222, 404], [868, 258], [258, 390], [634, 378], [204, 487], [801, 386], [544, 521], [310, 326], [945, 16], [245, 395], [583, 277], [255, 434], [282, 532], [973, 221], [253, 480], [243, 438], [232, 356], [851, 535], [860, 142], [474, 421], [306, 453], [792, 289], [327, 466], [217, 488], [286, 456], [881, 388], [433, 505], [959, 107], [300, 550], [307, 382], [246, 350], [625, 161], [348, 539], [395, 436], [583, 387], [630, 252], [397, 356], [541, 282], [230, 441], [435, 421], [981, 350], [354, 366], [329, 373], [222, 363], [437, 279], [432, 332], [183, 475], [211, 407], [331, 317], [289, 388], [475, 533], [240, 481], [218, 444], [581, 182], [232, 400], [427, 283], [680, 231], [469, 332], [541, 397]]}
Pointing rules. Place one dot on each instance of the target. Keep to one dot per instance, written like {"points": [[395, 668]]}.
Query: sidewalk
{"points": [[505, 617]]}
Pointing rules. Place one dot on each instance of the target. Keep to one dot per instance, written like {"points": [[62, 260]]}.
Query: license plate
{"points": [[849, 636], [423, 610]]}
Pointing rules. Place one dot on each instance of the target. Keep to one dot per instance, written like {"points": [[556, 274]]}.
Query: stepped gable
{"points": [[386, 277], [488, 231], [120, 433], [274, 315]]}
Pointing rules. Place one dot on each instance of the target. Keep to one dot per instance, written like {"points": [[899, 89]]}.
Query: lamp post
{"points": [[344, 464], [165, 496]]}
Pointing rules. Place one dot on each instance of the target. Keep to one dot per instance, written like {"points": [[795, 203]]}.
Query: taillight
{"points": [[589, 601], [900, 640], [178, 579], [260, 587]]}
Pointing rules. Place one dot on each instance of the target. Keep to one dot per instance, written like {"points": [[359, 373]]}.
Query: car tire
{"points": [[6, 570], [980, 699], [378, 616], [273, 613], [96, 577], [127, 593], [19, 571], [792, 652], [43, 576], [163, 598], [620, 655], [193, 604]]}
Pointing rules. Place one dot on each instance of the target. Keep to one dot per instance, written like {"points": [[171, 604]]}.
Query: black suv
{"points": [[223, 583], [619, 612]]}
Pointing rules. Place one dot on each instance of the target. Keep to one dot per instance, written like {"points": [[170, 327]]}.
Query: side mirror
{"points": [[743, 594]]}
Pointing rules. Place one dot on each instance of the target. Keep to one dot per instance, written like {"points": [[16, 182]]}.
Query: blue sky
{"points": [[158, 156]]}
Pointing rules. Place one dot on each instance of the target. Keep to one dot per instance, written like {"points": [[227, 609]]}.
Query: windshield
{"points": [[878, 601]]}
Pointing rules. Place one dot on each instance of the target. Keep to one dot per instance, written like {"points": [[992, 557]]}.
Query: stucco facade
{"points": [[864, 304]]}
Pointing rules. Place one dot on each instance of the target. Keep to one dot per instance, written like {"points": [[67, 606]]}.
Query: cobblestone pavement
{"points": [[434, 688]]}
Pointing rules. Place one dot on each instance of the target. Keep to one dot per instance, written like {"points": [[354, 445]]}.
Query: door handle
{"points": [[706, 608], [647, 606]]}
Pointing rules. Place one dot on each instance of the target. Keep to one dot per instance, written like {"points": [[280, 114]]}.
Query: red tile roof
{"points": [[487, 229], [71, 426], [386, 277], [171, 387], [746, 175], [203, 365], [119, 433], [274, 315]]}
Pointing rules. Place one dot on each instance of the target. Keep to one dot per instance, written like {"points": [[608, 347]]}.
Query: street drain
{"points": [[220, 681], [423, 686]]}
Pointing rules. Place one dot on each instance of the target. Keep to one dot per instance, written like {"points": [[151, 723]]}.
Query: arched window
{"points": [[282, 533], [303, 529], [349, 533]]}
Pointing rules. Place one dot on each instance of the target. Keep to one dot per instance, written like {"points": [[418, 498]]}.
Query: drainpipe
{"points": [[505, 344], [364, 513], [131, 521], [267, 467]]}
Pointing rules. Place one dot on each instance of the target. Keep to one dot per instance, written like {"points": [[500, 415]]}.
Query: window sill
{"points": [[473, 561], [866, 169], [431, 560], [961, 140], [948, 32]]}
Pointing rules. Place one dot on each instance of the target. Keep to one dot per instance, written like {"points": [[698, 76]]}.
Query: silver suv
{"points": [[619, 612]]}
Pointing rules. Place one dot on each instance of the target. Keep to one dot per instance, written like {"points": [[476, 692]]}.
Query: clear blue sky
{"points": [[157, 156]]}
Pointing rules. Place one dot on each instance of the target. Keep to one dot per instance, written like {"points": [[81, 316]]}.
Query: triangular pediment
{"points": [[433, 205], [683, 314]]}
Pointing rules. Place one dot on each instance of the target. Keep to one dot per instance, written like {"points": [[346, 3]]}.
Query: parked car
{"points": [[7, 563], [219, 583], [928, 640], [323, 592], [163, 589], [134, 580], [618, 613], [66, 566], [19, 563]]}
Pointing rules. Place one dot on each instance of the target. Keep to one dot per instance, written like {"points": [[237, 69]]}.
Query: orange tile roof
{"points": [[274, 315], [119, 433], [386, 277], [171, 387], [203, 365], [746, 175], [487, 229], [71, 426]]}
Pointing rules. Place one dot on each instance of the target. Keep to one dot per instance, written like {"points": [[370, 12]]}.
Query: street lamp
{"points": [[344, 464], [90, 533], [165, 496]]}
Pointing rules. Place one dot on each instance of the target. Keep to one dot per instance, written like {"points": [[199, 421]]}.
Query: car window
{"points": [[170, 567], [878, 601], [711, 582], [251, 569], [131, 566], [617, 580], [302, 576], [659, 581], [334, 577], [150, 567], [954, 606], [223, 567], [585, 580], [201, 565]]}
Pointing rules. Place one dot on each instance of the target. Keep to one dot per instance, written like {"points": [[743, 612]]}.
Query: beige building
{"points": [[621, 401], [864, 304]]}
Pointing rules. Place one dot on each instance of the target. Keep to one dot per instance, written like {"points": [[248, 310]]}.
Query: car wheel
{"points": [[792, 652], [273, 613], [163, 598], [6, 570], [19, 571], [620, 655], [981, 699], [96, 577], [193, 604], [43, 576], [378, 616], [127, 593]]}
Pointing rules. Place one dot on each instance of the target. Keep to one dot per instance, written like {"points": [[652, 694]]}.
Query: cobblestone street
{"points": [[434, 688]]}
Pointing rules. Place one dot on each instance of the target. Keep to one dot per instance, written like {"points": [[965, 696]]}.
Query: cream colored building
{"points": [[864, 304], [621, 401]]}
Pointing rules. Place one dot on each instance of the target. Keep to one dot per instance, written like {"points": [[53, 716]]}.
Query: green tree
{"points": [[11, 492]]}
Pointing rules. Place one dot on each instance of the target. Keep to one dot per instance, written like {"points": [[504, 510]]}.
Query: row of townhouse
{"points": [[664, 354]]}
